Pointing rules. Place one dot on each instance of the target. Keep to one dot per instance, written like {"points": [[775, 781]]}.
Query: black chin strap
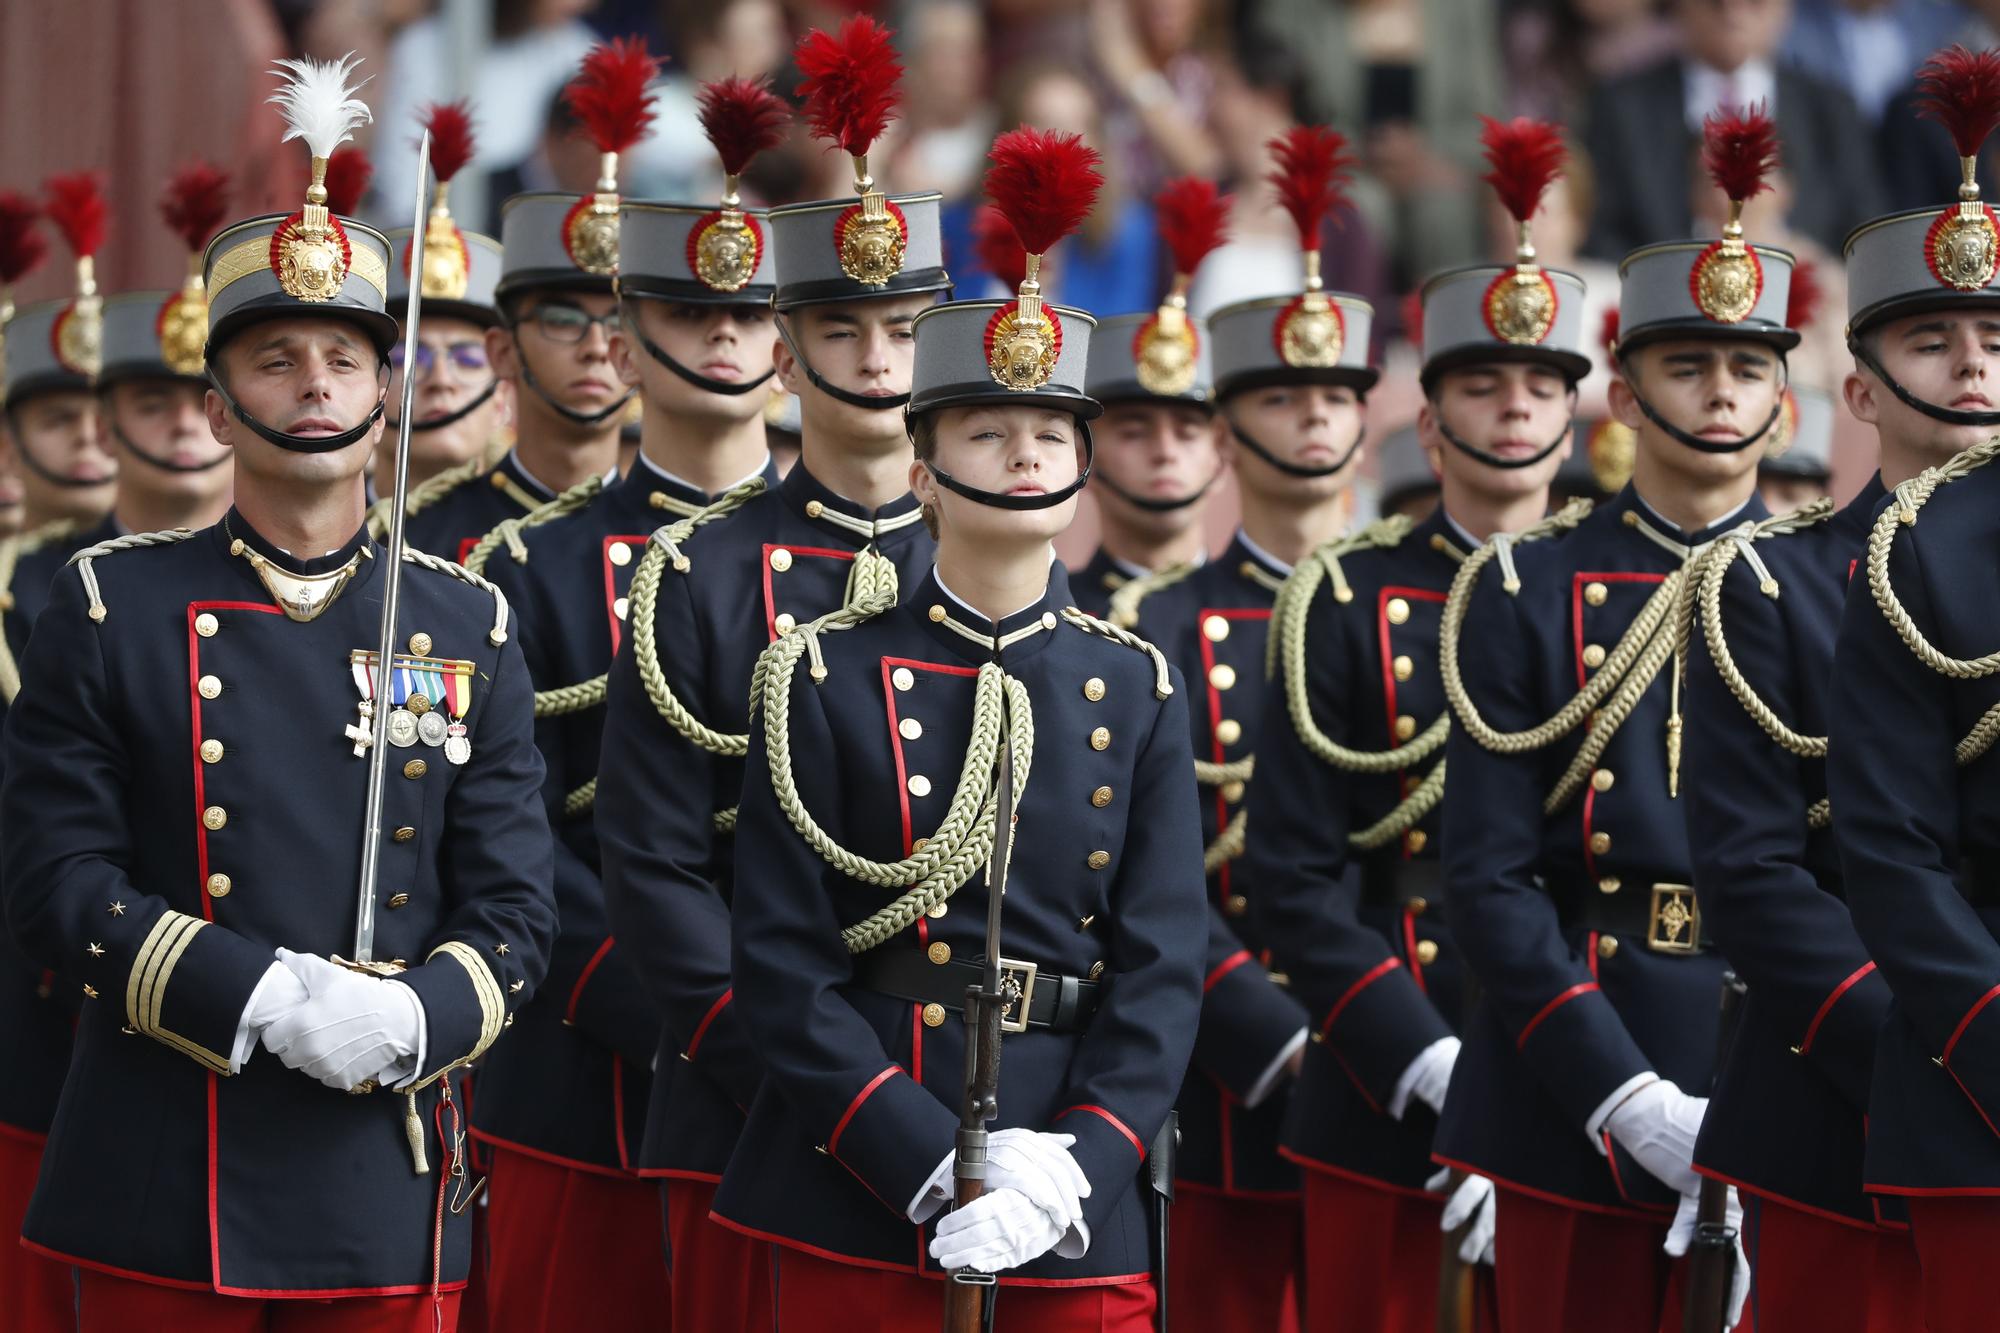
{"points": [[1158, 506], [457, 415], [164, 464], [882, 403], [301, 444], [1293, 469], [693, 376], [1478, 455], [995, 500], [1701, 445], [597, 418], [52, 478], [1950, 416]]}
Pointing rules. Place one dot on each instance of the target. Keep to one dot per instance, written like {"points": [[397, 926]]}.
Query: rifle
{"points": [[1455, 1302], [968, 1294], [1712, 1257]]}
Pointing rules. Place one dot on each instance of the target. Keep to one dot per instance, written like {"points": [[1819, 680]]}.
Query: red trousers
{"points": [[1957, 1240], [1564, 1270], [107, 1304], [561, 1240], [1813, 1275], [1234, 1263], [37, 1295], [815, 1295], [722, 1278], [1372, 1259]]}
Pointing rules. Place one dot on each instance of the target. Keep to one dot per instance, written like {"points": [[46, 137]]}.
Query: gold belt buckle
{"points": [[1675, 926], [1017, 984]]}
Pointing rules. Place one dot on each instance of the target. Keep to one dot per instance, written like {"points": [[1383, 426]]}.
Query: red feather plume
{"points": [[1607, 332], [1802, 304], [194, 201], [348, 172], [1961, 91], [1310, 176], [849, 82], [22, 244], [452, 140], [1045, 182], [1524, 158], [609, 95], [76, 206], [999, 249], [1740, 149], [1413, 317], [742, 118], [1193, 216]]}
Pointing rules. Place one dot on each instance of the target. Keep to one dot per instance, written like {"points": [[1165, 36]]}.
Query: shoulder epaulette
{"points": [[509, 530], [85, 559], [424, 496], [1163, 684], [451, 569]]}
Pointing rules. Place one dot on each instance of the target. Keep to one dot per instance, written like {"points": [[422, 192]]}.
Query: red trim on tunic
{"points": [[1785, 1200], [637, 546], [1521, 1042], [1114, 1121], [1966, 1022], [1305, 1163], [492, 1140], [770, 611], [701, 1028], [1618, 1178], [583, 978], [1590, 953], [1826, 1005], [833, 1139], [917, 1043], [937, 1275], [1410, 951], [1368, 978], [1224, 968], [1546, 1196]]}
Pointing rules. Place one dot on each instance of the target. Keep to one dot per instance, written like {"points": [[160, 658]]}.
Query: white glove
{"points": [[999, 1230], [277, 993], [1657, 1125], [1681, 1235], [1427, 1077], [1472, 1199], [1036, 1164], [352, 1029]]}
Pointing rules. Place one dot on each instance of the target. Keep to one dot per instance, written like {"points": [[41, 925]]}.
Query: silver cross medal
{"points": [[362, 732]]}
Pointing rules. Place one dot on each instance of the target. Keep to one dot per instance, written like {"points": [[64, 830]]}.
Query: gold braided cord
{"points": [[1163, 684], [580, 800], [1217, 775], [1654, 654], [11, 551], [1228, 844], [1819, 814], [566, 699], [424, 496], [1910, 497], [509, 530], [1123, 610], [1409, 812], [641, 601]]}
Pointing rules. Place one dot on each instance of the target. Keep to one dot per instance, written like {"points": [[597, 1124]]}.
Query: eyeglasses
{"points": [[466, 358], [570, 324]]}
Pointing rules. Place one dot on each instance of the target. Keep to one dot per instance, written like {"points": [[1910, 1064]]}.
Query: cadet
{"points": [[1788, 1122], [461, 404], [1292, 374], [1158, 453], [563, 1099], [196, 1180], [1350, 778], [1567, 870], [708, 593], [553, 341], [1912, 794], [860, 915]]}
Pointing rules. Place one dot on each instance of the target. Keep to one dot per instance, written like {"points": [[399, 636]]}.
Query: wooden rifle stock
{"points": [[1712, 1256]]}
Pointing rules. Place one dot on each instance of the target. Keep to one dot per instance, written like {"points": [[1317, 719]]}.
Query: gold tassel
{"points": [[413, 1127]]}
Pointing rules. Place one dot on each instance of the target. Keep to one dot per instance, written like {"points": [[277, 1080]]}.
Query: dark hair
{"points": [[922, 427]]}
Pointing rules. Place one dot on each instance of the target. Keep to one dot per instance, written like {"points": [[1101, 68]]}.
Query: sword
{"points": [[392, 587]]}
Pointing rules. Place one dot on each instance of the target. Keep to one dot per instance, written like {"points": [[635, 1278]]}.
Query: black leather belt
{"points": [[1390, 881], [1042, 999], [1663, 917]]}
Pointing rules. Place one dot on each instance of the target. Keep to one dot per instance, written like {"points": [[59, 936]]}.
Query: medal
{"points": [[430, 729], [456, 747], [402, 728]]}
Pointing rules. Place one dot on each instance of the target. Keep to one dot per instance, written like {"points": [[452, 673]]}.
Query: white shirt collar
{"points": [[678, 480], [1472, 543], [1753, 83], [548, 491], [1132, 571], [978, 616], [1262, 554], [1663, 521]]}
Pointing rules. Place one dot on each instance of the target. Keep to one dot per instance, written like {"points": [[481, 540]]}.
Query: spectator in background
{"points": [[1555, 50], [946, 115], [561, 159], [1156, 57], [1869, 47], [1406, 82], [717, 39], [1644, 132], [1916, 153]]}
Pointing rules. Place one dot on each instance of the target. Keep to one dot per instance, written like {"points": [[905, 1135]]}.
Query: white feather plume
{"points": [[318, 105]]}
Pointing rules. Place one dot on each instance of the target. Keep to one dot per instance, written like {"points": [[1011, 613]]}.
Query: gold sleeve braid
{"points": [[146, 986], [486, 990]]}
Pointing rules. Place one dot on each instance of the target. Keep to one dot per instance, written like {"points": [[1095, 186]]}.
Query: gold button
{"points": [[933, 1015], [618, 553], [1607, 945], [1609, 884], [1098, 859], [1630, 518], [1229, 731], [1416, 840], [919, 845], [1235, 905], [1222, 676], [1404, 668], [919, 785], [419, 704], [1595, 593], [936, 614], [1600, 843], [781, 560], [1048, 620], [1602, 779], [497, 479], [1427, 952], [420, 643], [622, 607], [814, 509], [399, 900], [206, 625], [939, 953], [1100, 739], [1398, 611], [1093, 689], [938, 911], [208, 687], [1215, 629], [416, 768], [218, 885], [1232, 792], [784, 622], [1096, 971], [211, 751], [902, 678], [214, 817], [1406, 727], [1101, 797], [404, 834], [1417, 906], [1593, 655], [910, 728]]}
